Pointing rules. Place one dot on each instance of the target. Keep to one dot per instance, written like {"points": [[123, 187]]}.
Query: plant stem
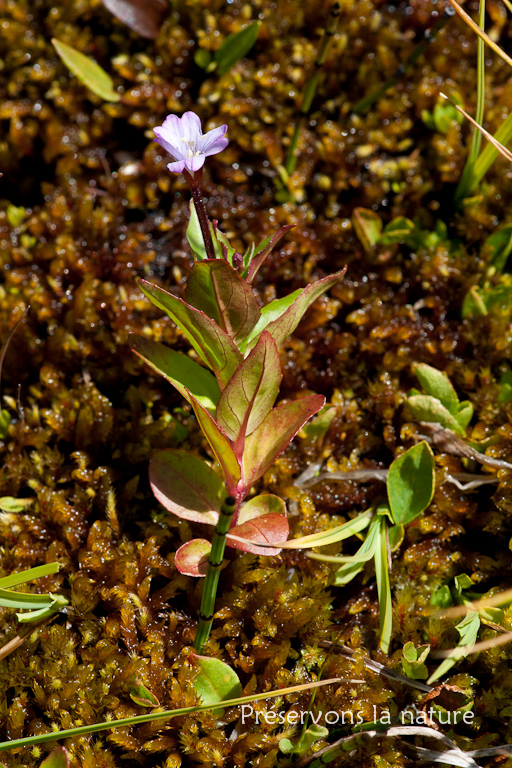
{"points": [[330, 31], [194, 182], [212, 574]]}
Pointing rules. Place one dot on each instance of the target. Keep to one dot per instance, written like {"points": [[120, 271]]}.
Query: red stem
{"points": [[197, 196]]}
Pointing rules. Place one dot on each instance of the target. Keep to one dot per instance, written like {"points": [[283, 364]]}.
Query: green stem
{"points": [[212, 574], [430, 35], [305, 107], [465, 182]]}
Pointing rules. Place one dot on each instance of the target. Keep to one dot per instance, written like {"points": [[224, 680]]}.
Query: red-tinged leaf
{"points": [[192, 558], [216, 682], [263, 250], [142, 695], [258, 506], [58, 758], [272, 529], [220, 447], [281, 328], [212, 344], [250, 393], [187, 376], [216, 289], [143, 16], [274, 433], [186, 486]]}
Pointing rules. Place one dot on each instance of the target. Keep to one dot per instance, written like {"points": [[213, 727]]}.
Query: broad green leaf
{"points": [[6, 582], [468, 631], [473, 304], [462, 582], [398, 230], [367, 226], [195, 236], [442, 597], [278, 429], [215, 682], [212, 344], [236, 46], [192, 558], [269, 313], [304, 743], [498, 247], [186, 486], [182, 372], [220, 446], [269, 529], [10, 504], [262, 250], [347, 572], [258, 506], [142, 695], [224, 245], [413, 665], [411, 483], [250, 393], [58, 758], [383, 586], [427, 408], [90, 73], [465, 414], [317, 428], [217, 289], [281, 328], [396, 535], [437, 384]]}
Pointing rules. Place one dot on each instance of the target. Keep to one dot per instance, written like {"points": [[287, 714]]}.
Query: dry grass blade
{"points": [[477, 647], [487, 602], [501, 149], [469, 21]]}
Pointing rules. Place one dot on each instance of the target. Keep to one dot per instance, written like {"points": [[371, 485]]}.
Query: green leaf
{"points": [[212, 343], [331, 536], [445, 115], [442, 597], [398, 230], [90, 73], [251, 392], [468, 631], [305, 742], [259, 506], [58, 758], [465, 414], [187, 376], [462, 582], [28, 601], [186, 486], [142, 695], [383, 586], [284, 325], [427, 408], [10, 504], [367, 226], [202, 58], [6, 582], [413, 665], [195, 236], [220, 446], [473, 304], [317, 428], [269, 313], [215, 682], [278, 429], [236, 46], [44, 612], [437, 384], [498, 247], [192, 557], [347, 572], [411, 483], [261, 251], [216, 289]]}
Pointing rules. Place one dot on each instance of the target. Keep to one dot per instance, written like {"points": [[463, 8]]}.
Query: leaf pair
{"points": [[440, 404]]}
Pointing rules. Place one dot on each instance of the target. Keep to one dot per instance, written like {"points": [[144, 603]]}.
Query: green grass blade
{"points": [[33, 573], [383, 586]]}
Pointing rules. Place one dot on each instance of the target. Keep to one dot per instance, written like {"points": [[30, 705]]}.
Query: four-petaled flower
{"points": [[182, 138]]}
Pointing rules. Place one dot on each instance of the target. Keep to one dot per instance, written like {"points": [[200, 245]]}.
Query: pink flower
{"points": [[182, 138]]}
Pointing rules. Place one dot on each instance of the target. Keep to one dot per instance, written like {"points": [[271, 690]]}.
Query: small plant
{"points": [[231, 384]]}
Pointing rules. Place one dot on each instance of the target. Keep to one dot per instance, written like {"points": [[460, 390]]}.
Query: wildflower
{"points": [[183, 139]]}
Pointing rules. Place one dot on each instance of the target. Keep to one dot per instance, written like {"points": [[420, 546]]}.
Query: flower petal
{"points": [[169, 143], [176, 167], [193, 163], [191, 127], [212, 138]]}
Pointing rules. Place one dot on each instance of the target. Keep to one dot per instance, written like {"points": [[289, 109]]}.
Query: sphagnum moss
{"points": [[101, 210]]}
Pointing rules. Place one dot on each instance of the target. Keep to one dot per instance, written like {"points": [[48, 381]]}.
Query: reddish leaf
{"points": [[250, 393], [281, 328], [143, 16], [186, 486], [216, 289], [212, 343], [263, 250], [219, 445], [188, 377], [142, 695], [258, 506], [274, 433], [272, 529], [192, 558], [58, 758]]}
